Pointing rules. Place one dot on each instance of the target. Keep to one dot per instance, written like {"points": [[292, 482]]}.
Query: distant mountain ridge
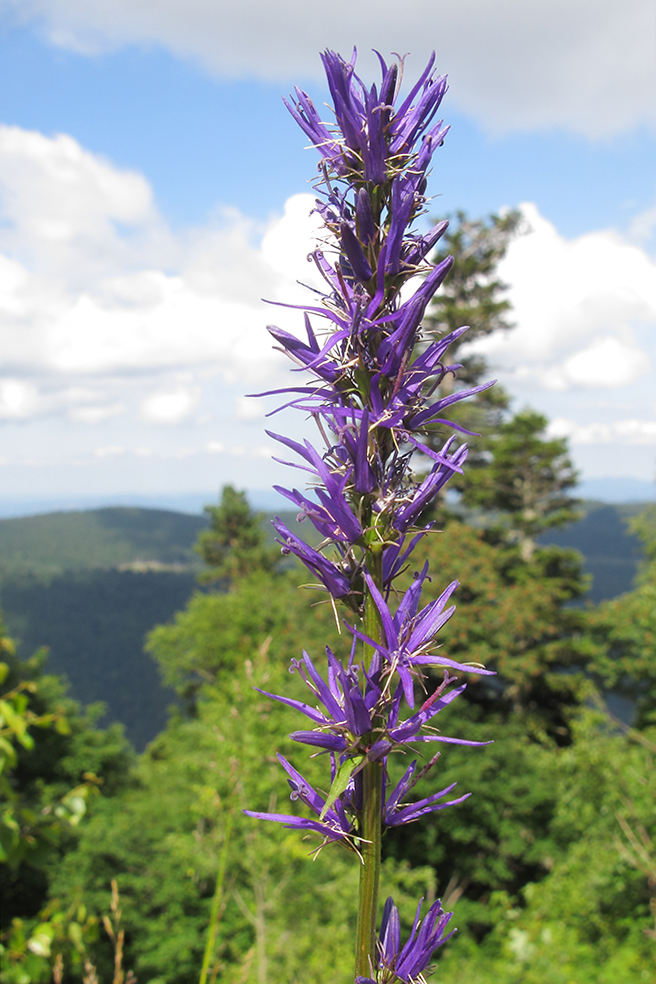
{"points": [[613, 491], [110, 538], [617, 491]]}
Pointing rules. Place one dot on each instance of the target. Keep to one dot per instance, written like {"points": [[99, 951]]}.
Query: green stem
{"points": [[215, 913], [365, 940], [371, 816]]}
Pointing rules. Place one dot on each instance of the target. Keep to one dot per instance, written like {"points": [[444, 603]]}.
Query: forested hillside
{"points": [[611, 552], [540, 863]]}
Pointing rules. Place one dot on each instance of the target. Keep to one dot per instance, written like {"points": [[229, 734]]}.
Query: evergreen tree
{"points": [[473, 295], [235, 545], [523, 479]]}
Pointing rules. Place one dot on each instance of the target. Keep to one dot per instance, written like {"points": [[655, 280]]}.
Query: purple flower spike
{"points": [[374, 390]]}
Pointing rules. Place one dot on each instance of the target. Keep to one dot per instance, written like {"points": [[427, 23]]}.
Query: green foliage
{"points": [[162, 840], [57, 762], [513, 615], [53, 765], [58, 937], [235, 545], [29, 835], [589, 920], [498, 839], [644, 526]]}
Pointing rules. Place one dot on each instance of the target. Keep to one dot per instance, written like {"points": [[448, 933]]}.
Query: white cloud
{"points": [[170, 407], [606, 363], [579, 306], [285, 244], [67, 211], [109, 451], [626, 431], [18, 399], [95, 415], [93, 335], [587, 65], [250, 408], [77, 305]]}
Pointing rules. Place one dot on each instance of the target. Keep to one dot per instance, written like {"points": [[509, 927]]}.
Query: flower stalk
{"points": [[373, 391], [365, 934]]}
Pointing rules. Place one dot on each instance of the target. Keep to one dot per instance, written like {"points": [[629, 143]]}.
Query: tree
{"points": [[52, 762], [57, 758], [523, 480], [235, 544], [473, 295]]}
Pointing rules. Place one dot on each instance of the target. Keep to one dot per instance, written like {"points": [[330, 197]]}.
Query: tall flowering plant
{"points": [[371, 391]]}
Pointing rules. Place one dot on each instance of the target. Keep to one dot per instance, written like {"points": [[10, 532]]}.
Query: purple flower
{"points": [[333, 578], [396, 814], [348, 710], [408, 962], [409, 634], [335, 825]]}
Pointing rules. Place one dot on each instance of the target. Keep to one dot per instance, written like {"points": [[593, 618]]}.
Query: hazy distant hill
{"points": [[61, 541], [91, 584]]}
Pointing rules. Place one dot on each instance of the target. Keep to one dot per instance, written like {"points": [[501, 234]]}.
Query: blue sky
{"points": [[149, 196]]}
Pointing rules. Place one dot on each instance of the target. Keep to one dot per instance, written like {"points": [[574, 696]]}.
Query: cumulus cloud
{"points": [[626, 431], [18, 399], [97, 330], [95, 289], [170, 407], [62, 207], [514, 65], [606, 363], [580, 307]]}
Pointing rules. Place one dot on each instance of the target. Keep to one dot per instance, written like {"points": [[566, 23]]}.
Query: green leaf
{"points": [[12, 719], [341, 781], [41, 940], [62, 726], [7, 754]]}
